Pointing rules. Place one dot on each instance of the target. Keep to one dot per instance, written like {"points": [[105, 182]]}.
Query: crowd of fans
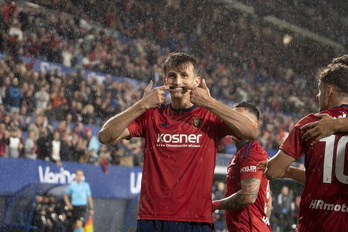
{"points": [[240, 59], [326, 18]]}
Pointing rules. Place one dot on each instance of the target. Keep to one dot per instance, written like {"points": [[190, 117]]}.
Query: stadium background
{"points": [[94, 59]]}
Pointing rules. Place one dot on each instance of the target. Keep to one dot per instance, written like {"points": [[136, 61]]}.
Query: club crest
{"points": [[197, 122]]}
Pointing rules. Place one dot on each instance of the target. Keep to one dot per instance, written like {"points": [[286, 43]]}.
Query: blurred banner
{"points": [[118, 182]]}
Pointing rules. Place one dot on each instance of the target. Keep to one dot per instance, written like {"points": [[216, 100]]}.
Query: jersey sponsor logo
{"points": [[179, 140], [248, 169], [320, 204]]}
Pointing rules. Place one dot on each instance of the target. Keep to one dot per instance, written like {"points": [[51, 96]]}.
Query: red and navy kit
{"points": [[324, 200], [243, 166], [179, 160]]}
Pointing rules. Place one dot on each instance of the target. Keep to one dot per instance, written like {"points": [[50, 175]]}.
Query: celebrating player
{"points": [[181, 140], [324, 202], [247, 198]]}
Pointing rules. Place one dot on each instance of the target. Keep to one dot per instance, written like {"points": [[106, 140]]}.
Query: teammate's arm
{"points": [[326, 126], [269, 207], [278, 165], [294, 173], [242, 125], [116, 127], [241, 199]]}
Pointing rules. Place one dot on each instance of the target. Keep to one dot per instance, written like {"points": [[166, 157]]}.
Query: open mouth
{"points": [[176, 88]]}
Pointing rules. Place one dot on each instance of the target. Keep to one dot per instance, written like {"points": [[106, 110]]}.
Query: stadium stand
{"points": [[241, 57]]}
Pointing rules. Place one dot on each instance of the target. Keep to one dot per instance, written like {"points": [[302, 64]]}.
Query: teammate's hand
{"points": [[262, 165], [153, 97], [199, 96], [319, 129]]}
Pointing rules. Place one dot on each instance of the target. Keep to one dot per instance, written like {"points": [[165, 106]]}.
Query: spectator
{"points": [[4, 141], [14, 97], [55, 148], [42, 98], [15, 144], [30, 146], [283, 209]]}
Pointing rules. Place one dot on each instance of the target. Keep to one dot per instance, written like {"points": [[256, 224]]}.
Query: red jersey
{"points": [[243, 166], [324, 200], [179, 160]]}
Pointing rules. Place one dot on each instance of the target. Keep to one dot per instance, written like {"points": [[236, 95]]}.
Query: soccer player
{"points": [[181, 140], [247, 190], [327, 125], [324, 198]]}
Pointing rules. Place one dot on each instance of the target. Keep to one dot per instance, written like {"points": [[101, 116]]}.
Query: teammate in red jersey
{"points": [[181, 140], [247, 193], [324, 199]]}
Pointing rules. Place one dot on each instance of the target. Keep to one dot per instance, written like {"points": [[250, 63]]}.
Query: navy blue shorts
{"points": [[172, 226]]}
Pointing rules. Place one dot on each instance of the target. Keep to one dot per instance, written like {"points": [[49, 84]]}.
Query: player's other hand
{"points": [[153, 97], [199, 96], [319, 129]]}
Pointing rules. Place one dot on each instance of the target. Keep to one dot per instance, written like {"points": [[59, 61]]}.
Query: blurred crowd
{"points": [[326, 18], [49, 115]]}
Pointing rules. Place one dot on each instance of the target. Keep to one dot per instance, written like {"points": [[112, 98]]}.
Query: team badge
{"points": [[197, 122]]}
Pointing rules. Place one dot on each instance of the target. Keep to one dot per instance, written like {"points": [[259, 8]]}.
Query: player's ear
{"points": [[198, 81], [329, 90], [257, 123]]}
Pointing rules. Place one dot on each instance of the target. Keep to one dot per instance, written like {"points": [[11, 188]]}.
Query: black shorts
{"points": [[79, 212], [172, 226]]}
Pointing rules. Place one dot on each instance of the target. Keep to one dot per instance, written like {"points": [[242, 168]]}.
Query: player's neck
{"points": [[181, 104], [240, 143]]}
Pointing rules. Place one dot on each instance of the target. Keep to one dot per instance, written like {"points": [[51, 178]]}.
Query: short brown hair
{"points": [[179, 59], [335, 75]]}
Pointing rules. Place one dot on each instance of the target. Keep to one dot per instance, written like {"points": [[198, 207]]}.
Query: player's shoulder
{"points": [[306, 119]]}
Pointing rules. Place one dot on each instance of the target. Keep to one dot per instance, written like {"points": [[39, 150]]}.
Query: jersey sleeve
{"points": [[293, 144], [226, 130], [248, 165], [136, 128]]}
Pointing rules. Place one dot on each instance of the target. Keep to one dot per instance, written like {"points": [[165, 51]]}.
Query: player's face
{"points": [[322, 96], [178, 78]]}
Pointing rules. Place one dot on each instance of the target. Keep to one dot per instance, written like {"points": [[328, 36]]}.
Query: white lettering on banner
{"points": [[248, 169], [320, 204], [135, 183], [62, 177]]}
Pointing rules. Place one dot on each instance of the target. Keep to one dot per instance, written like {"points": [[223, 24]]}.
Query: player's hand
{"points": [[262, 165], [153, 97], [199, 96], [319, 129]]}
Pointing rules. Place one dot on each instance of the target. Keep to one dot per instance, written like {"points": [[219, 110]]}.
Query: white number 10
{"points": [[340, 158]]}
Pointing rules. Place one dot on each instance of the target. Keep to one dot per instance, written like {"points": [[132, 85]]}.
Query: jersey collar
{"points": [[182, 110]]}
